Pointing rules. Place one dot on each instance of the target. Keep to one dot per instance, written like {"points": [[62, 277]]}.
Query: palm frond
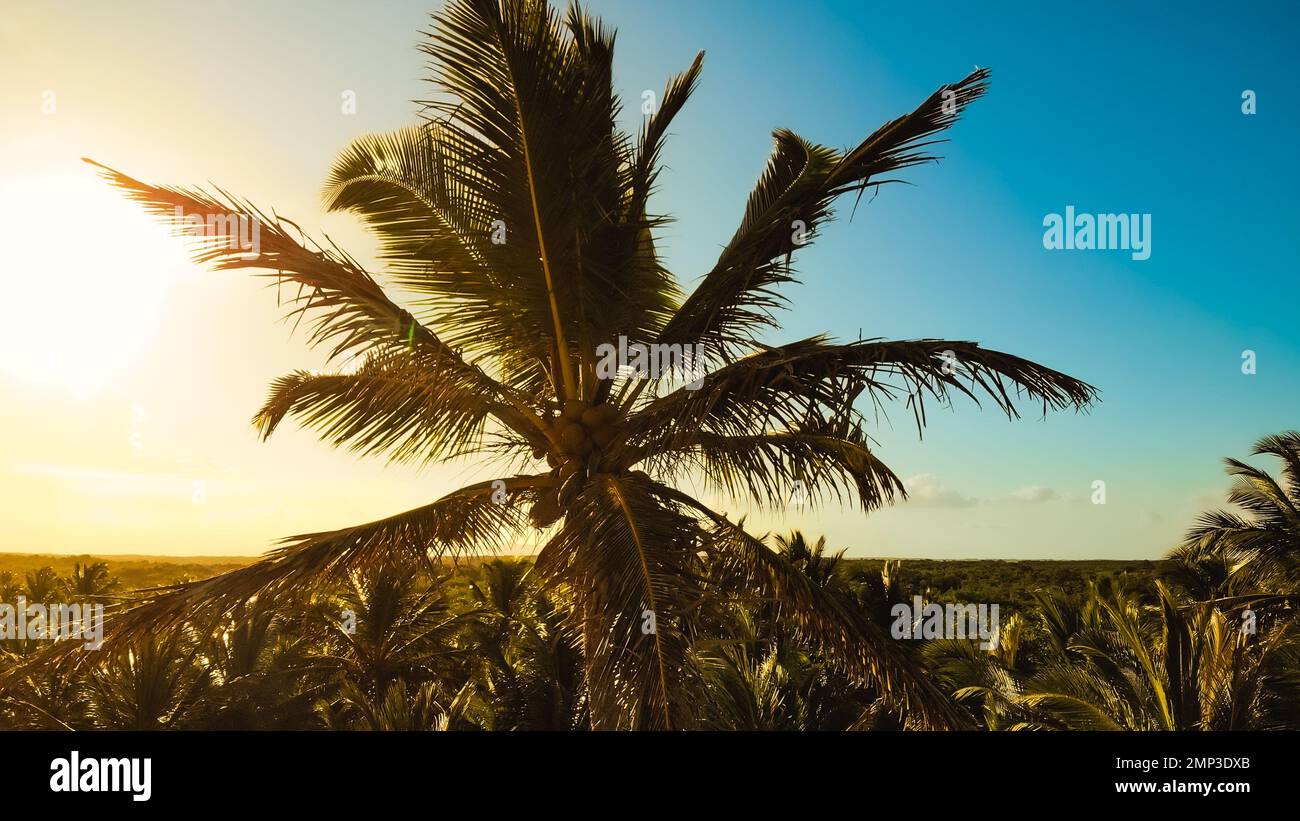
{"points": [[850, 642], [400, 402], [352, 311], [810, 466], [532, 91], [735, 299], [627, 554], [466, 521], [814, 379]]}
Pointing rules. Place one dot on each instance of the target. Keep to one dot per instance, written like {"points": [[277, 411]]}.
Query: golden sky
{"points": [[130, 374]]}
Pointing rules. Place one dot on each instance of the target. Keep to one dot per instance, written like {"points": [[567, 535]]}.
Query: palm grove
{"points": [[497, 362]]}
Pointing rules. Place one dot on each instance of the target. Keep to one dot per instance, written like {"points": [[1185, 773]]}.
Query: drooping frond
{"points": [[848, 640], [403, 186], [779, 389], [465, 522], [352, 311], [817, 463], [627, 554], [445, 242], [397, 402], [1077, 700], [355, 312]]}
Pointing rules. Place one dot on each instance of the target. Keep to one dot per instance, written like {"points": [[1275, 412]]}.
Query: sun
{"points": [[86, 276]]}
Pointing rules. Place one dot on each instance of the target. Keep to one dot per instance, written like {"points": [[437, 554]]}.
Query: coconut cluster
{"points": [[581, 430]]}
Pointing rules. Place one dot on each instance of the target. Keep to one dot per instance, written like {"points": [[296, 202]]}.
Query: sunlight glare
{"points": [[86, 280]]}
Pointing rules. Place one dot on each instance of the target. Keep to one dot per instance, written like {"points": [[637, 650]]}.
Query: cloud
{"points": [[927, 490], [1032, 495], [104, 481]]}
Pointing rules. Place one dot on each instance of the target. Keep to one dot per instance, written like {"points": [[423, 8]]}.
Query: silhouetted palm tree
{"points": [[1230, 555], [517, 218], [44, 585], [91, 582]]}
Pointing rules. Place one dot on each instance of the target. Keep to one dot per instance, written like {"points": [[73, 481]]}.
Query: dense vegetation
{"points": [[131, 572], [1205, 639], [470, 645]]}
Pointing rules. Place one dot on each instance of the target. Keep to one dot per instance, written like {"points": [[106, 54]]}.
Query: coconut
{"points": [[602, 437], [545, 511], [572, 436], [593, 417], [573, 410]]}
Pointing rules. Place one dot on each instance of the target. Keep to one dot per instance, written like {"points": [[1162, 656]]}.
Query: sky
{"points": [[130, 374]]}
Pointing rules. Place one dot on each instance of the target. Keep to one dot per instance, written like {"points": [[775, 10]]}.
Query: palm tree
{"points": [[811, 559], [1232, 556], [758, 678], [517, 217], [44, 585], [530, 666], [395, 708], [92, 582], [155, 684], [399, 631], [1171, 665], [987, 679], [257, 663], [10, 587]]}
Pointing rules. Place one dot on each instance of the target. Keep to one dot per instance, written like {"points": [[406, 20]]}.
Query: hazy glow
{"points": [[86, 281]]}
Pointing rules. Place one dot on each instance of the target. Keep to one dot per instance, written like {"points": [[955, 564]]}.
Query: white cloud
{"points": [[1033, 494], [927, 490]]}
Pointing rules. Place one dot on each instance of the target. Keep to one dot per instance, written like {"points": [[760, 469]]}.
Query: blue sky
{"points": [[1108, 108], [1115, 110]]}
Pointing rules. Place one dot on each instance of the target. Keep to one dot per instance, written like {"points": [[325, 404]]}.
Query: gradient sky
{"points": [[130, 375]]}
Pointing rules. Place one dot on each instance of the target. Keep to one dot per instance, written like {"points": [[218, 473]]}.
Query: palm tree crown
{"points": [[516, 216], [1271, 527]]}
